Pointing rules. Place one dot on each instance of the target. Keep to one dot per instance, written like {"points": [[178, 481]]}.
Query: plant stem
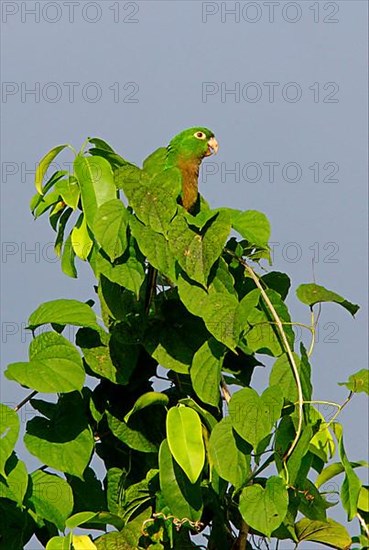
{"points": [[25, 400], [291, 358], [340, 407], [225, 390], [364, 526]]}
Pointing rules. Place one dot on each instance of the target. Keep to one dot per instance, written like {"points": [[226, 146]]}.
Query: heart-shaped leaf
{"points": [[265, 509], [197, 252], [9, 431], [312, 294], [110, 228], [55, 366], [252, 415]]}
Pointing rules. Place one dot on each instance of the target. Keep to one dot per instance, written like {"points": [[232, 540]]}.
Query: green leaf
{"points": [[351, 485], [245, 309], [50, 497], [208, 418], [153, 198], [363, 502], [295, 461], [101, 144], [9, 431], [281, 375], [184, 434], [37, 199], [110, 228], [83, 542], [55, 366], [16, 526], [182, 497], [280, 282], [330, 533], [63, 220], [96, 181], [253, 416], [206, 371], [229, 454], [264, 335], [312, 294], [80, 239], [142, 434], [155, 247], [127, 538], [106, 356], [67, 259], [46, 202], [63, 312], [264, 509], [218, 311], [148, 399], [60, 543], [78, 519], [322, 444], [197, 252], [174, 339], [254, 226], [44, 164], [64, 441], [88, 493], [127, 271], [15, 485], [69, 191], [358, 382], [312, 504]]}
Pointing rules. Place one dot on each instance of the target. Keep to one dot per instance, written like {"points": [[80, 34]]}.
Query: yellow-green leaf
{"points": [[81, 240], [184, 434], [44, 164]]}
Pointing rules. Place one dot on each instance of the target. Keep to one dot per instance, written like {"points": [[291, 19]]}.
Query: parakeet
{"points": [[185, 152]]}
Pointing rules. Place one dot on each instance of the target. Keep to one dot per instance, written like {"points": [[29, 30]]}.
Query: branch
{"points": [[291, 358], [25, 400], [241, 541], [225, 391], [364, 526]]}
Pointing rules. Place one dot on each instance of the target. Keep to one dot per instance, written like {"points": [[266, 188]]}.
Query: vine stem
{"points": [[291, 358], [225, 390], [339, 410], [25, 400], [364, 526]]}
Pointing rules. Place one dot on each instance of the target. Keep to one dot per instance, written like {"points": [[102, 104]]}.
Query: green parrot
{"points": [[185, 152]]}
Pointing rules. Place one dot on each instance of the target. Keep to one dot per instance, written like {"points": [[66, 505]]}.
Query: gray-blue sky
{"points": [[173, 68]]}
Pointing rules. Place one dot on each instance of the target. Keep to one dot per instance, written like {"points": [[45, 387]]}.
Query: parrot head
{"points": [[193, 144]]}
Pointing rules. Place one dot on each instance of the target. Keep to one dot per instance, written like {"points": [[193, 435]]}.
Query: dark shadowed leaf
{"points": [[182, 497], [65, 441], [50, 497], [9, 431]]}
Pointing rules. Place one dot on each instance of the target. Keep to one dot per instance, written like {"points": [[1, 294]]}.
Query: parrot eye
{"points": [[200, 135]]}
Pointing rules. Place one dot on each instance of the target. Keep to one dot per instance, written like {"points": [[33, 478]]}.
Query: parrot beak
{"points": [[212, 147]]}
